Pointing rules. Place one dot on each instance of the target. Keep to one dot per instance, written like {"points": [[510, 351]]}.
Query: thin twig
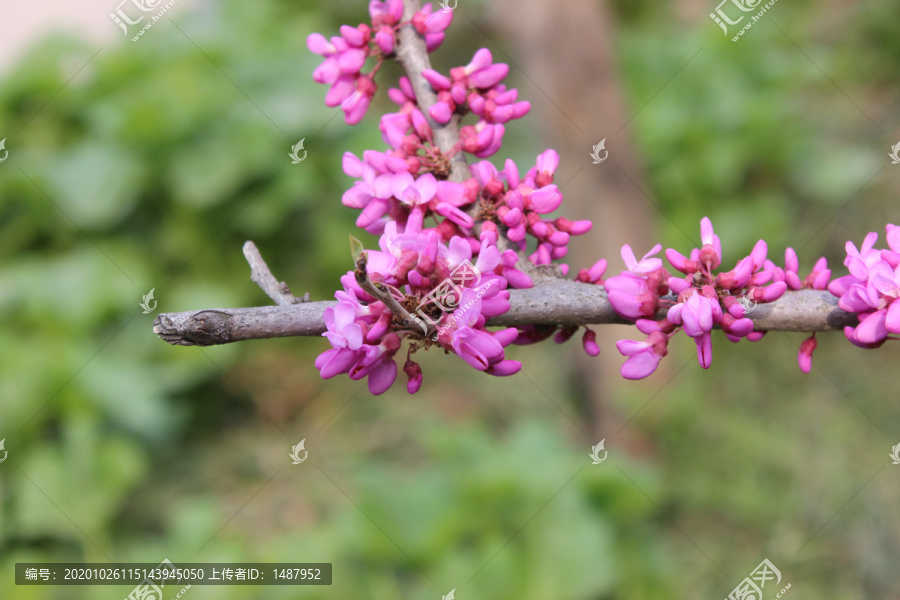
{"points": [[413, 57], [278, 291], [381, 293]]}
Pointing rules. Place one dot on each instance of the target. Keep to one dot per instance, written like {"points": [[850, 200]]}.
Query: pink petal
{"points": [[872, 327], [480, 60], [589, 342], [505, 368], [438, 21], [706, 231], [382, 377], [438, 82], [351, 61], [352, 165], [631, 347], [640, 365], [704, 350], [546, 200], [385, 41], [791, 262], [892, 322], [342, 88], [548, 161], [456, 215], [318, 44], [340, 362], [426, 185], [441, 112]]}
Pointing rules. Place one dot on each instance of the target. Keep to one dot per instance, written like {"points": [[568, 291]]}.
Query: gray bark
{"points": [[558, 303]]}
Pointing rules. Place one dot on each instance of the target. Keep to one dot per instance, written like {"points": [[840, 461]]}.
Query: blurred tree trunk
{"points": [[566, 50]]}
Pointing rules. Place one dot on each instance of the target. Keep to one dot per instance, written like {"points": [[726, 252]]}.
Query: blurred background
{"points": [[147, 165]]}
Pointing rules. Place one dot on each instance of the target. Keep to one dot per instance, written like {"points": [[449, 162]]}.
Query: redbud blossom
{"points": [[871, 289], [704, 299]]}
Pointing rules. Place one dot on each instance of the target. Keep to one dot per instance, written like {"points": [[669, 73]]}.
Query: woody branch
{"points": [[561, 302]]}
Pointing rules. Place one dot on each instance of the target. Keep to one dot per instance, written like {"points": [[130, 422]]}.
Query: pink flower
{"points": [[643, 357], [705, 299], [630, 296], [594, 274], [345, 56], [448, 296], [804, 356], [589, 342], [816, 280], [386, 12], [414, 376], [871, 289], [432, 25], [646, 264], [343, 331]]}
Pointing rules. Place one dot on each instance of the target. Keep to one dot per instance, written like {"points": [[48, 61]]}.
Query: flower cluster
{"points": [[520, 203], [430, 225], [871, 288], [346, 54], [703, 298], [387, 192], [447, 298], [476, 88]]}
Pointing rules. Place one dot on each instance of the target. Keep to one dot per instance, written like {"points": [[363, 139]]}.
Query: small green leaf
{"points": [[356, 249]]}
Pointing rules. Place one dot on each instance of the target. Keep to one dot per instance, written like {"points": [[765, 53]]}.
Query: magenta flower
{"points": [[594, 274], [443, 291], [704, 299], [805, 354], [476, 88], [630, 296], [432, 25], [345, 56], [644, 357], [816, 280], [871, 289], [414, 376], [386, 12], [589, 342], [646, 264], [520, 203]]}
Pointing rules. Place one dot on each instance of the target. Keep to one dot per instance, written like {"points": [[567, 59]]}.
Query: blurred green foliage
{"points": [[151, 165]]}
